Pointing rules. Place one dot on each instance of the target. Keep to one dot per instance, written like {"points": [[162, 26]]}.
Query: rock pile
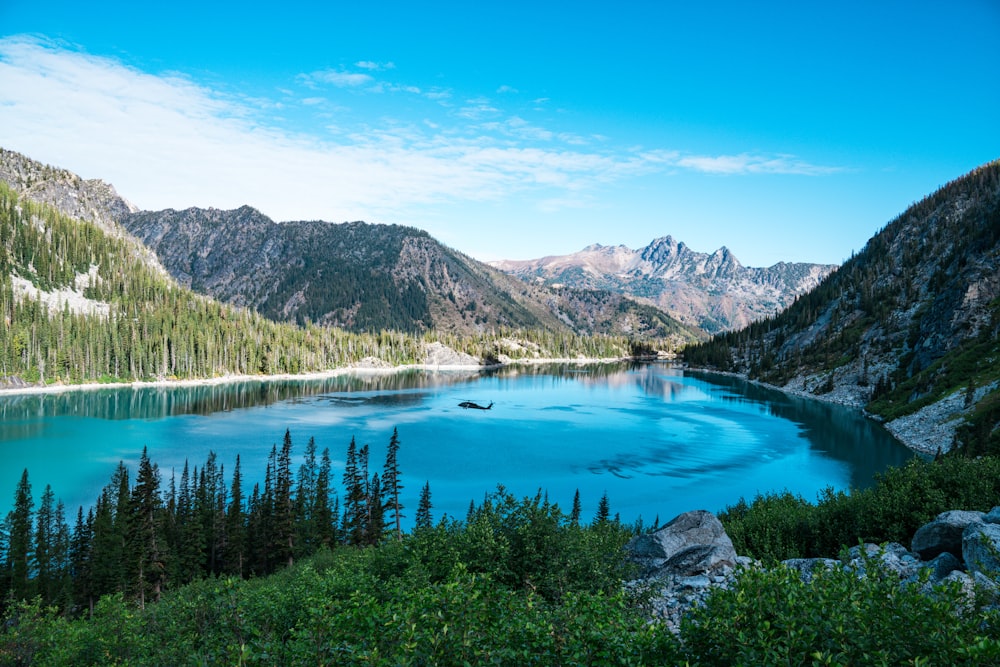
{"points": [[682, 562]]}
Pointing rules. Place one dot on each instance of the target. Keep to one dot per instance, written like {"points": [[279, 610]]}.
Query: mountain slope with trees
{"points": [[908, 328], [361, 277], [356, 276]]}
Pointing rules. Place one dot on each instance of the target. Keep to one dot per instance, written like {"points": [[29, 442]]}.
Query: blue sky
{"points": [[784, 131]]}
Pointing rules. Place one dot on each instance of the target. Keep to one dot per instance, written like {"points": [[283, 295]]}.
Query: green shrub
{"points": [[771, 617]]}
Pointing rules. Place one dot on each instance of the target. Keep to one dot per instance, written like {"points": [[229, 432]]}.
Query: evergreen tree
{"points": [[376, 518], [392, 485], [284, 512], [603, 510], [256, 552], [574, 515], [147, 548], [19, 550], [188, 551], [323, 513], [81, 545], [235, 525], [306, 501], [354, 499], [423, 518], [43, 557]]}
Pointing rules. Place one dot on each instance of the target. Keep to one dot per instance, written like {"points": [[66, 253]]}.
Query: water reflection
{"points": [[656, 438], [839, 432], [162, 401]]}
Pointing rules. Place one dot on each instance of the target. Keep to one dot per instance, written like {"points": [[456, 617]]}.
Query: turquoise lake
{"points": [[657, 439]]}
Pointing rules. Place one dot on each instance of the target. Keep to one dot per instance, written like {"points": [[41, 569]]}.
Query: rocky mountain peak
{"points": [[714, 291]]}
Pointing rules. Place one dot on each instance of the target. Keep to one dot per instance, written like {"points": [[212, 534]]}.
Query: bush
{"points": [[776, 527], [771, 617]]}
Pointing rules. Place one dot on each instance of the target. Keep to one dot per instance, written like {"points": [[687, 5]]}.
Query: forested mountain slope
{"points": [[711, 291], [366, 277], [81, 305], [908, 327]]}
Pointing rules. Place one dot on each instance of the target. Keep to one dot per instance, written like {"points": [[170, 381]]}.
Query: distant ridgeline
{"points": [[911, 323]]}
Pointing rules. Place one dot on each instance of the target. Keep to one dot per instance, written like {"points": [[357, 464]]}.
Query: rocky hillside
{"points": [[366, 277], [711, 291], [357, 276], [908, 327]]}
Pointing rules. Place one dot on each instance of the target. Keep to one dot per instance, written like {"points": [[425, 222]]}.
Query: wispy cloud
{"points": [[742, 163], [165, 141], [341, 78], [376, 67]]}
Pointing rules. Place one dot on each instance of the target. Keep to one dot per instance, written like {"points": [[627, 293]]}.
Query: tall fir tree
{"points": [[235, 525], [391, 485], [376, 517], [424, 506], [603, 510], [80, 559], [306, 525], [284, 510], [354, 498], [19, 549], [147, 546], [322, 512]]}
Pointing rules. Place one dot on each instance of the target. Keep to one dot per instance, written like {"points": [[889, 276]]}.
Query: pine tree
{"points": [[81, 545], [356, 498], [235, 525], [19, 550], [392, 485], [44, 546], [574, 515], [322, 512], [376, 517], [423, 518], [147, 548], [306, 502], [603, 510], [284, 514]]}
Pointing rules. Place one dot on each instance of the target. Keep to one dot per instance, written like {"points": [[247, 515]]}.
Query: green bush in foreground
{"points": [[779, 526], [840, 618], [344, 617]]}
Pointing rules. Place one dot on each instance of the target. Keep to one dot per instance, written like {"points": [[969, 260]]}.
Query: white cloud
{"points": [[165, 141], [377, 67], [341, 78], [745, 163]]}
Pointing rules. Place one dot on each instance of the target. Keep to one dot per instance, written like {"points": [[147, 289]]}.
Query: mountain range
{"points": [[357, 276], [713, 292]]}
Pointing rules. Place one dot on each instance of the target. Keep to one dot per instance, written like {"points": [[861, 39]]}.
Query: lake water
{"points": [[658, 440]]}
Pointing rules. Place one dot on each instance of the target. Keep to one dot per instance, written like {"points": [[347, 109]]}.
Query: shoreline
{"points": [[920, 432], [360, 369]]}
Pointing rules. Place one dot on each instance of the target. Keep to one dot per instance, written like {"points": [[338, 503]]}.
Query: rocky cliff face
{"points": [[92, 200], [711, 291]]}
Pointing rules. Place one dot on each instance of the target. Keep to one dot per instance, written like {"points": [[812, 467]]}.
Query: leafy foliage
{"points": [[772, 617], [775, 527]]}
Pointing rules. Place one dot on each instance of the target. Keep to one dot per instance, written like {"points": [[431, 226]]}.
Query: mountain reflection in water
{"points": [[658, 440]]}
